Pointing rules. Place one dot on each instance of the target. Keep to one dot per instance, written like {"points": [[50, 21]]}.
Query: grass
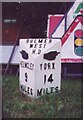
{"points": [[66, 104]]}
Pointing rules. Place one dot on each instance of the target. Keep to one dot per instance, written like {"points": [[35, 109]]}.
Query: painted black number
{"points": [[26, 77], [44, 79], [50, 79]]}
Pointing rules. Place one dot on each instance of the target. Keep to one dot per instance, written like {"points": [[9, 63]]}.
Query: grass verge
{"points": [[66, 104]]}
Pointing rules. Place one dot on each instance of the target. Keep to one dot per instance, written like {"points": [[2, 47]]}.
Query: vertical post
{"points": [[1, 64], [65, 71], [65, 18], [12, 53]]}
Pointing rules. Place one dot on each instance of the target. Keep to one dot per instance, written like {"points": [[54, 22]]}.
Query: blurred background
{"points": [[29, 20]]}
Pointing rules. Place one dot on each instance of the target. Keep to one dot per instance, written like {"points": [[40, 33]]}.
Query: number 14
{"points": [[50, 79]]}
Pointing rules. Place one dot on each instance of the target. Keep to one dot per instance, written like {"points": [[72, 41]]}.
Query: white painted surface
{"points": [[43, 68], [70, 14], [5, 52], [68, 55]]}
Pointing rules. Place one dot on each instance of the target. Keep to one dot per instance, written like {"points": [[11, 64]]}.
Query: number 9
{"points": [[26, 77]]}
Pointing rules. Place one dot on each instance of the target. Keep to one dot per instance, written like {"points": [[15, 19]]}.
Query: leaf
{"points": [[60, 106]]}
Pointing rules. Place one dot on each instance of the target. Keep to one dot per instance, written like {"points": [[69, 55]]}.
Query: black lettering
{"points": [[35, 41], [40, 66], [40, 40], [50, 79], [31, 65], [28, 90], [31, 91], [27, 40], [39, 51], [45, 40], [53, 65], [56, 89], [44, 91], [26, 77], [39, 92], [40, 45], [31, 41], [35, 46], [47, 91], [51, 89], [44, 79], [27, 65], [31, 45], [44, 45], [49, 66], [23, 88], [45, 66], [33, 51]]}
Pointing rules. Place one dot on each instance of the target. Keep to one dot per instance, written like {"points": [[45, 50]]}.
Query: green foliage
{"points": [[63, 104]]}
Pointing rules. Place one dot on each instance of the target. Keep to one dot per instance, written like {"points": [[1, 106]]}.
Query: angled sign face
{"points": [[72, 42], [40, 66], [55, 27], [76, 9], [68, 41], [78, 19], [56, 23], [79, 10], [72, 47]]}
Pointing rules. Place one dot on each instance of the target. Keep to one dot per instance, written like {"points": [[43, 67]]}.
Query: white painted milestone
{"points": [[40, 66]]}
